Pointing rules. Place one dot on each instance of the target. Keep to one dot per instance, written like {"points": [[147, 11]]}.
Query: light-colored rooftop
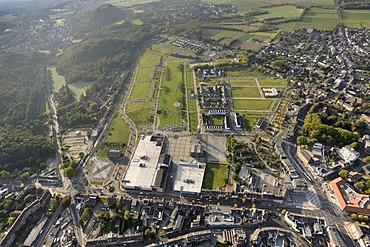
{"points": [[143, 165], [189, 177]]}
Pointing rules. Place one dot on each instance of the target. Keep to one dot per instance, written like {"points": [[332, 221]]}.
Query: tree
{"points": [[69, 172], [360, 185], [93, 106], [367, 160], [254, 205], [283, 212], [354, 216], [24, 176], [66, 201], [301, 140], [344, 174], [126, 215], [235, 205], [10, 221], [147, 233], [244, 200]]}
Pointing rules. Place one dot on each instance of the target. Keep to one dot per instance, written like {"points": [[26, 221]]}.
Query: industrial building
{"points": [[148, 167]]}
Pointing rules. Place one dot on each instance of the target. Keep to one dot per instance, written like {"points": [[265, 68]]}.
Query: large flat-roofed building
{"points": [[146, 167], [189, 177]]}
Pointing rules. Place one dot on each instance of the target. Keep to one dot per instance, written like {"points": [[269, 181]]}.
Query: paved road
{"points": [[47, 226]]}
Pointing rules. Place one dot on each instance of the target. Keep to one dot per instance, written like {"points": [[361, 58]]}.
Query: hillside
{"points": [[98, 19], [23, 140]]}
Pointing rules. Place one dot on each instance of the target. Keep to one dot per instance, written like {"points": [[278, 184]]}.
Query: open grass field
{"points": [[140, 112], [124, 3], [144, 73], [269, 82], [58, 81], [286, 11], [192, 107], [141, 90], [172, 91], [246, 92], [149, 58], [119, 132], [223, 34], [243, 82], [257, 105], [243, 73], [356, 18], [120, 22], [250, 119], [59, 23], [215, 176]]}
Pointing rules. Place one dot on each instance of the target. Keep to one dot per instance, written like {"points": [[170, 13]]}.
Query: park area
{"points": [[216, 176], [246, 92], [172, 97], [140, 112]]}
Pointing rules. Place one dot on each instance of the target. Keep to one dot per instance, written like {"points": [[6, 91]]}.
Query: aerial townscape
{"points": [[180, 123]]}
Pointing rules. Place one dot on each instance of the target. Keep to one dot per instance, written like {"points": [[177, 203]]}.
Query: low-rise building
{"points": [[348, 154]]}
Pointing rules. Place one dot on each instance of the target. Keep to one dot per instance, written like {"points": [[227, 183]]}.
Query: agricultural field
{"points": [[321, 19], [286, 11], [140, 112], [246, 92], [172, 97], [224, 34], [253, 105], [215, 176], [141, 90], [269, 82], [356, 18]]}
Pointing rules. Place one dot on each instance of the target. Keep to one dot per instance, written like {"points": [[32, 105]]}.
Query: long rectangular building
{"points": [[145, 167]]}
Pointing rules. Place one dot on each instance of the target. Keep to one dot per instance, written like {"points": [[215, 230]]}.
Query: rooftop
{"points": [[144, 164], [350, 200], [189, 177]]}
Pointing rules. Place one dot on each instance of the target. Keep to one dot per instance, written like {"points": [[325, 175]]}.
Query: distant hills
{"points": [[102, 17]]}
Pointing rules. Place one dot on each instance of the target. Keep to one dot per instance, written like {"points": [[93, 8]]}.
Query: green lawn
{"points": [[217, 120], [356, 18], [59, 23], [144, 73], [172, 90], [243, 73], [286, 11], [269, 82], [119, 132], [141, 90], [260, 105], [79, 87], [240, 5], [246, 92], [243, 82], [149, 59], [215, 176], [140, 112], [223, 34], [58, 80], [249, 120]]}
